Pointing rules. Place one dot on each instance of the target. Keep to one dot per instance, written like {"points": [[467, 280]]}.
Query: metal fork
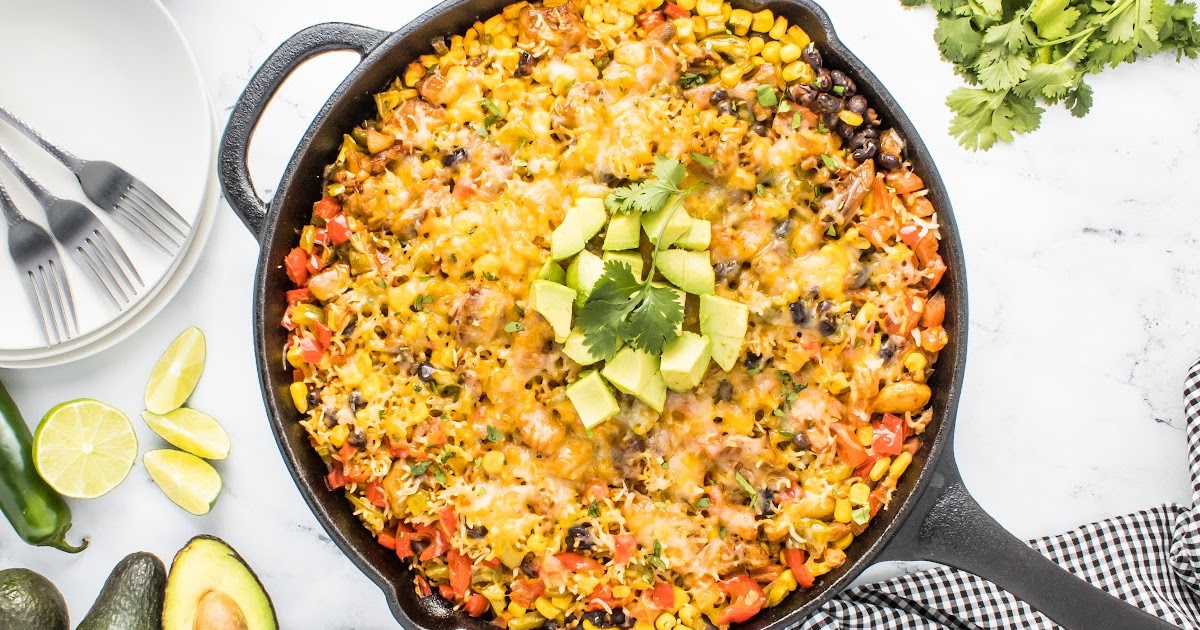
{"points": [[117, 192], [43, 278], [76, 227]]}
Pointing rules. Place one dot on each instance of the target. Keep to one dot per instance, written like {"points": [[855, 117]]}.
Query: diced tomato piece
{"points": [[386, 540], [295, 263], [904, 181], [339, 229], [460, 572], [346, 453], [448, 521], [864, 468], [848, 447], [935, 311], [299, 295], [286, 322], [326, 208], [578, 563], [476, 605], [663, 595], [321, 237], [422, 586], [309, 351], [926, 248], [375, 494], [650, 21], [623, 547], [446, 591], [322, 334], [316, 262], [746, 598], [404, 548], [464, 187], [438, 543], [675, 12], [793, 491], [525, 592], [601, 598], [356, 474], [437, 433], [767, 574], [795, 561], [889, 435], [911, 235], [493, 563], [937, 269], [335, 479]]}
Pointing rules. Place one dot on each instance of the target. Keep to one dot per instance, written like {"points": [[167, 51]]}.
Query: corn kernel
{"points": [[588, 625], [428, 61], [789, 53], [850, 118], [739, 21], [770, 52], [665, 621], [651, 5], [756, 45], [798, 36], [681, 598], [731, 75], [915, 362], [880, 468], [516, 609], [338, 435], [512, 11], [763, 21], [686, 5], [621, 591], [779, 28], [415, 72], [726, 11], [299, 393], [537, 544], [547, 609], [708, 7], [844, 541], [699, 27], [860, 494], [865, 435], [493, 462], [900, 464], [796, 71], [643, 625], [714, 23], [685, 30], [775, 593], [842, 511]]}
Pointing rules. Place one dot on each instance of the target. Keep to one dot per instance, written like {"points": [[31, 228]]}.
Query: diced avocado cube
{"points": [[690, 271], [631, 370], [582, 274], [724, 322], [555, 302], [624, 232], [680, 296], [684, 362], [593, 401], [576, 350], [583, 221], [552, 271], [672, 224], [654, 394], [633, 259], [698, 236]]}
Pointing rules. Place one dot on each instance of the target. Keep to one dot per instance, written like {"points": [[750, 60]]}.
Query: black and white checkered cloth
{"points": [[1150, 558]]}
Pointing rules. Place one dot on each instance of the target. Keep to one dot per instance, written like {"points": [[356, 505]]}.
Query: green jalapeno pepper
{"points": [[38, 513]]}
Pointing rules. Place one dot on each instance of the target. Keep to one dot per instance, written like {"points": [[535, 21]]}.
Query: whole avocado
{"points": [[132, 597], [28, 600]]}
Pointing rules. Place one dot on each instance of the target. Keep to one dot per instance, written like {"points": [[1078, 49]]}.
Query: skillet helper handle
{"points": [[949, 527], [235, 143]]}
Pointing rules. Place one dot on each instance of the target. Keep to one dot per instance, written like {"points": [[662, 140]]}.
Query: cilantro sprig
{"points": [[1019, 56], [621, 308]]}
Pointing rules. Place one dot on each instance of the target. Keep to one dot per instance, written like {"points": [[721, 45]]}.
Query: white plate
{"points": [[110, 80]]}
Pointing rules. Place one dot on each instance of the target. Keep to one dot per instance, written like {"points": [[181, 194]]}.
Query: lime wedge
{"points": [[84, 448], [176, 373], [192, 483], [192, 431]]}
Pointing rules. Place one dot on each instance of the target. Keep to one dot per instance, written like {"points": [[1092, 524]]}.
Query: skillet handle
{"points": [[949, 527], [235, 143]]}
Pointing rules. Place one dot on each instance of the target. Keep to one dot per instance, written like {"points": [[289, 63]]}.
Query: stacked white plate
{"points": [[113, 81]]}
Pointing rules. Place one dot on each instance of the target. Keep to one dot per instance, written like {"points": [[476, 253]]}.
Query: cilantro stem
{"points": [[658, 240]]}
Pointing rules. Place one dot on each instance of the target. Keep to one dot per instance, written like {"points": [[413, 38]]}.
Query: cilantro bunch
{"points": [[1021, 54]]}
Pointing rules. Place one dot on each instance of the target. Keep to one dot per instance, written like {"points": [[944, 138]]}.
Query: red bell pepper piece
{"points": [[375, 494], [663, 595], [335, 479], [675, 12], [460, 573], [525, 592], [326, 208], [848, 447], [310, 351], [296, 265], [446, 591], [322, 334], [623, 547], [476, 605], [577, 563], [889, 435], [299, 295], [746, 598], [448, 521], [795, 561], [404, 549], [386, 540], [339, 229], [601, 598]]}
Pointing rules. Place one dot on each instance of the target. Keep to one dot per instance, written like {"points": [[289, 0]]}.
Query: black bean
{"points": [[349, 329], [869, 131], [597, 618], [524, 66], [800, 440], [823, 81], [725, 391], [765, 497], [620, 619], [725, 107], [867, 150], [846, 131], [357, 439], [857, 104], [827, 327], [313, 398], [356, 401], [579, 537], [718, 96], [887, 162], [457, 156], [800, 313], [831, 122], [783, 229], [887, 349], [811, 56], [329, 417], [823, 306], [802, 94], [477, 532], [425, 371], [753, 361], [726, 269], [527, 568], [551, 624], [846, 83], [762, 128], [828, 104], [418, 546], [861, 277]]}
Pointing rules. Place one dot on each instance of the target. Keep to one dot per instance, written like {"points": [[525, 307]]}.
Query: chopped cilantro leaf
{"points": [[703, 503], [419, 469], [512, 327], [703, 160], [747, 488], [494, 434], [767, 96]]}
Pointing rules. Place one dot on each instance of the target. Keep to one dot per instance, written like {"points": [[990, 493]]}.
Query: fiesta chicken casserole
{"points": [[618, 314]]}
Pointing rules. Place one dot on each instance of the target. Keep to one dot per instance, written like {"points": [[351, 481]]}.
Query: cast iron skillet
{"points": [[932, 517]]}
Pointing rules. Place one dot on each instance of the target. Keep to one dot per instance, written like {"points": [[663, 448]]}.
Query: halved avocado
{"points": [[211, 588]]}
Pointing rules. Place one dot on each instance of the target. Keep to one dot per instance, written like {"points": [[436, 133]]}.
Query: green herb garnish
{"points": [[494, 434], [655, 557], [861, 515], [703, 503], [747, 488], [830, 163], [689, 80], [512, 327], [419, 469], [594, 509], [702, 159], [766, 96]]}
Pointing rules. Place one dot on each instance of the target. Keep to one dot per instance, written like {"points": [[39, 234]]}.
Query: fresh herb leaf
{"points": [[830, 163], [861, 515], [767, 96], [512, 327], [419, 469], [421, 302], [651, 195], [491, 107], [689, 80], [797, 120], [490, 276], [655, 557], [494, 434], [594, 509], [747, 488], [982, 117], [439, 475], [703, 503], [722, 531], [702, 159]]}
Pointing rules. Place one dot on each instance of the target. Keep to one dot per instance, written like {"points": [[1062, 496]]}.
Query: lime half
{"points": [[176, 373], [192, 483], [192, 431], [84, 448]]}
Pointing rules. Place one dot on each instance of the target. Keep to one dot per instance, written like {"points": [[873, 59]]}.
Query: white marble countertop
{"points": [[1083, 249]]}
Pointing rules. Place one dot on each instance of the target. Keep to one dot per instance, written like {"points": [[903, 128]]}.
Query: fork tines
{"points": [[111, 267], [148, 213], [47, 287]]}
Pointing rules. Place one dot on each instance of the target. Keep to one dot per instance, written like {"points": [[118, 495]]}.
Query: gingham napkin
{"points": [[1150, 558]]}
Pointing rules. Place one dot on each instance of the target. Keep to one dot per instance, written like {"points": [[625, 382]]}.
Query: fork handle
{"points": [[12, 216], [68, 160], [34, 187], [235, 143]]}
